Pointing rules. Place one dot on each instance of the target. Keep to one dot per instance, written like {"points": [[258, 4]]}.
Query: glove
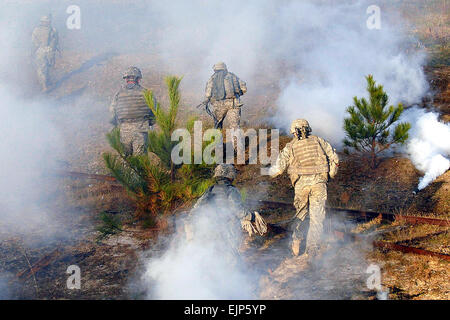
{"points": [[256, 225], [260, 224], [248, 227]]}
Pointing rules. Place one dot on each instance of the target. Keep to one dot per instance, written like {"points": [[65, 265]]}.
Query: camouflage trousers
{"points": [[44, 59], [226, 108], [134, 136], [309, 199]]}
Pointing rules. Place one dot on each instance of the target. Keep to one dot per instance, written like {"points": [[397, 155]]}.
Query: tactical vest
{"points": [[131, 105], [308, 157], [42, 36], [231, 86]]}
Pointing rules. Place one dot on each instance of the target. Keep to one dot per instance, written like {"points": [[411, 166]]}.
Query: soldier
{"points": [[131, 113], [223, 200], [309, 161], [45, 45], [223, 92]]}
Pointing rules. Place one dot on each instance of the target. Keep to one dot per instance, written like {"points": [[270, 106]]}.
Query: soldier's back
{"points": [[131, 103], [41, 36], [44, 36]]}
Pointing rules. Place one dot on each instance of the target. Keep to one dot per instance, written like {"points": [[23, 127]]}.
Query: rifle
{"points": [[205, 104]]}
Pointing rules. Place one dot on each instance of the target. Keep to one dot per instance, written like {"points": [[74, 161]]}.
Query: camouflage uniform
{"points": [[131, 114], [309, 162], [45, 42], [223, 95]]}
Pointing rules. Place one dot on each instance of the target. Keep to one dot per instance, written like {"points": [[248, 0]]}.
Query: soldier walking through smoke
{"points": [[131, 113], [223, 91], [223, 200], [45, 45], [309, 161]]}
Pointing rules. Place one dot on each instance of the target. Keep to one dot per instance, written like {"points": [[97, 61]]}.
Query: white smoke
{"points": [[204, 267], [29, 145], [335, 51], [429, 144], [327, 51]]}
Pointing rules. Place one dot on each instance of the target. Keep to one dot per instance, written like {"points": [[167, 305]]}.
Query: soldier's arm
{"points": [[112, 109], [282, 162], [238, 207], [155, 102], [34, 40], [333, 158], [208, 90], [202, 200], [238, 84], [55, 40], [330, 151], [242, 85]]}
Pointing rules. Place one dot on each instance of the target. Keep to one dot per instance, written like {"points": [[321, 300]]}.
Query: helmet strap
{"points": [[302, 133]]}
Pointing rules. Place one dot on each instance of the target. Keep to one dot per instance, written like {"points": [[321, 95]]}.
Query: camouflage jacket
{"points": [[287, 161], [45, 36]]}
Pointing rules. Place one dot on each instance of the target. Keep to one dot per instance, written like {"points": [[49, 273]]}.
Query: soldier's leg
{"points": [[301, 207], [126, 137], [42, 73], [233, 118], [219, 111], [138, 143], [140, 137], [317, 202]]}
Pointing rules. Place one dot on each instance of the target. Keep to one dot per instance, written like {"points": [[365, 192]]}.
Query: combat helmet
{"points": [[46, 19], [299, 123], [225, 171], [220, 66], [133, 72]]}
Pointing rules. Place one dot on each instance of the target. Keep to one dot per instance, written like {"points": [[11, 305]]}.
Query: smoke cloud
{"points": [[429, 144], [29, 144], [326, 49], [334, 51], [202, 263]]}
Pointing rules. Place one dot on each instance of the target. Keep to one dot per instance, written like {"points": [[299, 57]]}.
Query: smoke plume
{"points": [[429, 144], [334, 50], [202, 263]]}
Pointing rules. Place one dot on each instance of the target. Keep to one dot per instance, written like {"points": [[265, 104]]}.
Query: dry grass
{"points": [[409, 276]]}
